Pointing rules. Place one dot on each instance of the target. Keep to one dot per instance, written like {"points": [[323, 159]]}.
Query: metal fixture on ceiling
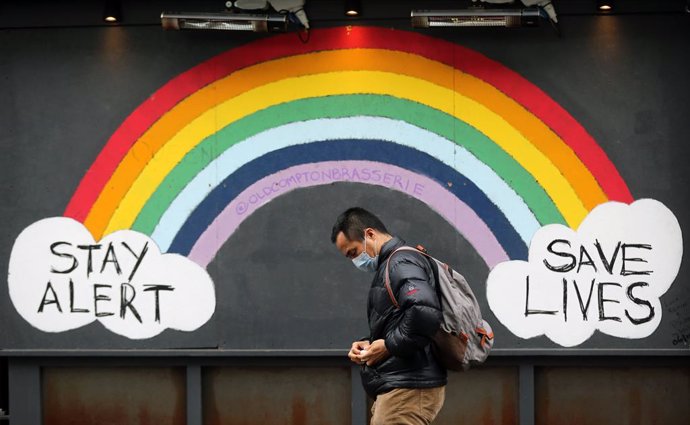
{"points": [[242, 15], [224, 21], [477, 17], [480, 16]]}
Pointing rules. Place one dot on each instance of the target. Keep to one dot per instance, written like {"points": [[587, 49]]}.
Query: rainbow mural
{"points": [[473, 140]]}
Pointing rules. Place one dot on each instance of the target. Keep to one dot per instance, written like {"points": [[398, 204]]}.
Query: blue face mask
{"points": [[364, 262]]}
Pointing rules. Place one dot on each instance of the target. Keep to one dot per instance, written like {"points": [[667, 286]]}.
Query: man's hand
{"points": [[356, 351], [374, 353]]}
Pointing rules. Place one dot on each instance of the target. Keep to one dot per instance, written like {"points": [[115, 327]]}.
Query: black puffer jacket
{"points": [[406, 331]]}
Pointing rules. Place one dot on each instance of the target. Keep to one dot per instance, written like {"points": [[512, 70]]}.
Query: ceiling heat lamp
{"points": [[224, 21], [476, 17], [242, 15]]}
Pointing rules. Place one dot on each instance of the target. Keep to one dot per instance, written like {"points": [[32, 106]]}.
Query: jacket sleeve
{"points": [[420, 309]]}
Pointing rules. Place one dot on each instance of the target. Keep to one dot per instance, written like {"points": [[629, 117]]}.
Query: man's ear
{"points": [[369, 232]]}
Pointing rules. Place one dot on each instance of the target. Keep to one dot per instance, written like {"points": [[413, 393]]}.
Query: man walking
{"points": [[399, 369]]}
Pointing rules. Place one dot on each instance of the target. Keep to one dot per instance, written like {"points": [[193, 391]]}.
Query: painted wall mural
{"points": [[490, 152]]}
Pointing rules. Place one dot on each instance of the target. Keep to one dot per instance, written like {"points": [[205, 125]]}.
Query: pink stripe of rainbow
{"points": [[452, 209]]}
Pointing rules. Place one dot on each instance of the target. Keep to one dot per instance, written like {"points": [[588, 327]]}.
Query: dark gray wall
{"points": [[280, 283]]}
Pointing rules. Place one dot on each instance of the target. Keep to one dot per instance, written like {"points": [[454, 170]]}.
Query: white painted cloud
{"points": [[60, 278], [607, 276]]}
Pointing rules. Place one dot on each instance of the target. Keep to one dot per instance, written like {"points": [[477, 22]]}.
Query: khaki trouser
{"points": [[407, 406]]}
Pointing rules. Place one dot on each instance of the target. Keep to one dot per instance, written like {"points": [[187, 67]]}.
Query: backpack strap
{"points": [[420, 249], [486, 335]]}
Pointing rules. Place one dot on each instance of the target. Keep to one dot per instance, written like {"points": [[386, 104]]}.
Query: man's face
{"points": [[347, 247]]}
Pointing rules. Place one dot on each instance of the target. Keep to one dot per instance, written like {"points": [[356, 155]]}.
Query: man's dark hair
{"points": [[353, 222]]}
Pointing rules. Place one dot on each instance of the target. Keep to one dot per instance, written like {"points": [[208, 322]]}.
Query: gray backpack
{"points": [[464, 339]]}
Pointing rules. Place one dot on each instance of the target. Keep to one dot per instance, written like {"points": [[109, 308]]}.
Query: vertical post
{"points": [[526, 391], [24, 379], [359, 398], [194, 406]]}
